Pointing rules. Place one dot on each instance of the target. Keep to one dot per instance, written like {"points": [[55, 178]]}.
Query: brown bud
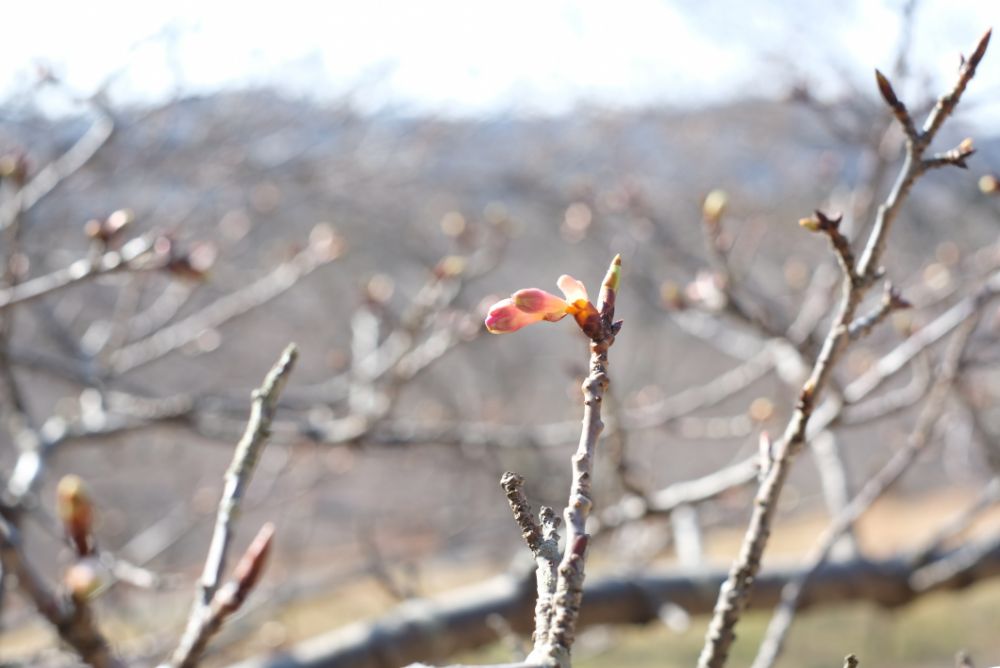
{"points": [[885, 88], [251, 565], [14, 166], [76, 512], [980, 51], [195, 263], [110, 229]]}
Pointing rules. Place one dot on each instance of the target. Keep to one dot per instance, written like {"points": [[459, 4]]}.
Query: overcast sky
{"points": [[469, 57]]}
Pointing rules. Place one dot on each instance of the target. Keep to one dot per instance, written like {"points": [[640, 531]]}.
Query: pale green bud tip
{"points": [[614, 275], [811, 224], [715, 204]]}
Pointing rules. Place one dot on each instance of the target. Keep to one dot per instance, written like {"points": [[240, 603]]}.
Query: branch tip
{"points": [[885, 88], [980, 50], [251, 565]]}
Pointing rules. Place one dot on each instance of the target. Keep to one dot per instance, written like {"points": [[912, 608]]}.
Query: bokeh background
{"points": [[367, 179]]}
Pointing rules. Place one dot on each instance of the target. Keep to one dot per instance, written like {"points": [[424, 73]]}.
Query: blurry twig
{"points": [[128, 259], [70, 615], [57, 171], [872, 490], [988, 496], [213, 604], [226, 308], [543, 540], [687, 493]]}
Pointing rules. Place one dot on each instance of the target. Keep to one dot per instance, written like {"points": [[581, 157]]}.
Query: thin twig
{"points": [[69, 615], [213, 604], [238, 303], [686, 493], [873, 489], [59, 169], [128, 259], [543, 541], [988, 496]]}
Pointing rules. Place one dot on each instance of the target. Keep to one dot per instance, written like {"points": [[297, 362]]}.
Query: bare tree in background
{"points": [[146, 303]]}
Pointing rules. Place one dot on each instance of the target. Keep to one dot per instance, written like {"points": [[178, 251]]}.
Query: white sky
{"points": [[471, 56]]}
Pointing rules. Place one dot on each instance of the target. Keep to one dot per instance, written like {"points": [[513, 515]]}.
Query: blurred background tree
{"points": [[366, 183]]}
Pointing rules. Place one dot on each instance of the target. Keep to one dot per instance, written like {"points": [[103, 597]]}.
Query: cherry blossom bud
{"points": [[534, 301], [504, 317]]}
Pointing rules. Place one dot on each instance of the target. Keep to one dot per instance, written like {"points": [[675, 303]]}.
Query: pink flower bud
{"points": [[505, 317], [534, 301], [572, 288], [531, 305]]}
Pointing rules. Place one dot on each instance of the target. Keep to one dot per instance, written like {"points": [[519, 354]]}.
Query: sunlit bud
{"points": [[573, 289], [989, 184], [504, 317], [84, 578], [532, 305], [714, 205], [534, 301], [811, 224], [609, 288], [14, 166], [76, 512], [195, 264]]}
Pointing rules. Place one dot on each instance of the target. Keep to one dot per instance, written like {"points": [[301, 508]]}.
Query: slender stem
{"points": [[876, 486], [71, 616], [265, 400]]}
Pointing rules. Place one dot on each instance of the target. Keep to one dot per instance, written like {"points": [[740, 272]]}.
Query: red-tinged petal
{"points": [[505, 316], [572, 288], [533, 300]]}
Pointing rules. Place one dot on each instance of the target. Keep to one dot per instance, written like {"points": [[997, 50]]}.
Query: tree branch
{"points": [[213, 604]]}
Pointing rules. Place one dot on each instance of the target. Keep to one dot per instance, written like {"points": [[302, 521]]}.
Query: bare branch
{"points": [[891, 301], [569, 585], [988, 496], [213, 604], [166, 340], [69, 615], [736, 590], [543, 541], [687, 493], [873, 489], [128, 259], [60, 169], [440, 627]]}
